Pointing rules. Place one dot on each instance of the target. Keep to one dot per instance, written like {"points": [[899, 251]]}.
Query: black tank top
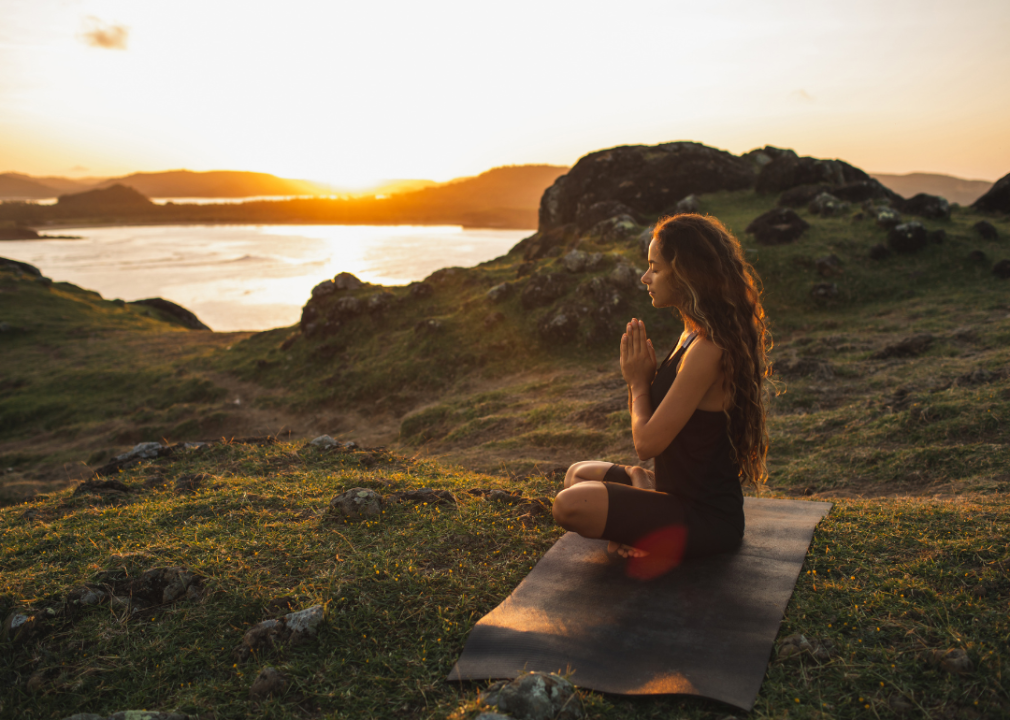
{"points": [[699, 463]]}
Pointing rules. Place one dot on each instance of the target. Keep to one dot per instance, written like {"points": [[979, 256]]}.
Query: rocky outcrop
{"points": [[177, 313], [997, 199], [18, 232], [647, 179], [907, 237], [927, 206], [777, 227], [789, 171]]}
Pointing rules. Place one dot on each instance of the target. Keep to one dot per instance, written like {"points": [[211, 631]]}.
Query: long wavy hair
{"points": [[719, 296]]}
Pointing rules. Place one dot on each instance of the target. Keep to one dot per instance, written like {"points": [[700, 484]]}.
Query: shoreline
{"points": [[44, 227]]}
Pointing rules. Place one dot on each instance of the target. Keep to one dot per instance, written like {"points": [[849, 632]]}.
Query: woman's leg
{"points": [[585, 511], [586, 471]]}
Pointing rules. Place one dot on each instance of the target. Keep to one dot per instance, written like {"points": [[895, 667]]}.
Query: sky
{"points": [[351, 92]]}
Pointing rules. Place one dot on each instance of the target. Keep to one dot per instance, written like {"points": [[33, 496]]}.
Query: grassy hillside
{"points": [[893, 398]]}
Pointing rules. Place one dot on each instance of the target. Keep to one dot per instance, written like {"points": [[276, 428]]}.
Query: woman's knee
{"points": [[582, 508], [585, 471]]}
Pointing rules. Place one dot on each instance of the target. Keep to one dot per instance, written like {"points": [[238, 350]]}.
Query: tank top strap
{"points": [[674, 356]]}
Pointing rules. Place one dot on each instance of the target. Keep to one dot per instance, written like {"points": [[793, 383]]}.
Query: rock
{"points": [[18, 266], [762, 156], [424, 495], [899, 704], [909, 347], [577, 261], [500, 292], [954, 661], [796, 646], [525, 268], [149, 715], [887, 217], [824, 291], [907, 237], [102, 487], [430, 326], [86, 595], [357, 503], [827, 205], [85, 716], [142, 451], [879, 252], [687, 204], [179, 314], [927, 206], [347, 307], [305, 621], [323, 442], [802, 195], [326, 287], [20, 626], [378, 302], [997, 198], [1002, 269], [864, 190], [545, 242], [646, 179], [268, 683], [558, 327], [542, 290], [536, 696], [485, 716], [977, 256], [986, 229], [346, 281], [616, 230], [293, 628], [777, 227], [626, 277], [936, 237], [785, 172], [828, 266], [5, 327], [420, 290], [586, 216]]}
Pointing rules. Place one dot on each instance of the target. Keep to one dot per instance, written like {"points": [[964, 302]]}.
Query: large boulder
{"points": [[927, 206], [777, 227], [788, 171], [868, 189], [646, 178], [997, 199], [763, 156], [177, 313], [586, 216], [544, 242], [544, 289]]}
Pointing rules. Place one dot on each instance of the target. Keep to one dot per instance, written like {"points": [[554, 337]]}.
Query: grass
{"points": [[885, 584], [912, 450]]}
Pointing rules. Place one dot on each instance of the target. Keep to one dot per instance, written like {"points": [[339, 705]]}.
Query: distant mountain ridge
{"points": [[955, 189]]}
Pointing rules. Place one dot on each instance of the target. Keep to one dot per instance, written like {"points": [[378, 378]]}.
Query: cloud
{"points": [[101, 35]]}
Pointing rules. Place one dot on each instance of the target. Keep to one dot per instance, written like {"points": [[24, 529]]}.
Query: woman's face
{"points": [[659, 278]]}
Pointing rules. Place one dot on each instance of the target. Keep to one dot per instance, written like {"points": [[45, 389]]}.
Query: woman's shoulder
{"points": [[702, 352]]}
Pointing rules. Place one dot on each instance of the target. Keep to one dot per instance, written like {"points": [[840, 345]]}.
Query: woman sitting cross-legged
{"points": [[700, 414]]}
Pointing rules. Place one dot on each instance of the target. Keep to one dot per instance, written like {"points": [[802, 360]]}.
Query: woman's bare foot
{"points": [[641, 478], [625, 551]]}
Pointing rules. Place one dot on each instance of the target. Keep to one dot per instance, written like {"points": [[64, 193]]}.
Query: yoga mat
{"points": [[705, 628]]}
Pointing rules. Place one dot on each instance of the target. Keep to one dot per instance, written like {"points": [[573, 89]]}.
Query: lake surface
{"points": [[251, 277]]}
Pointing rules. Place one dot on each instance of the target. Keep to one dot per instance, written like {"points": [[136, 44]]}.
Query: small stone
{"points": [[19, 626], [146, 451], [1002, 269], [537, 696], [500, 292], [305, 621], [323, 441], [575, 261], [908, 237], [986, 229], [954, 661], [84, 716], [899, 704], [357, 503], [688, 204], [879, 252], [828, 266], [268, 683], [824, 291]]}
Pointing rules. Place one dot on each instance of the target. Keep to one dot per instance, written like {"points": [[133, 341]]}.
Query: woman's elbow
{"points": [[644, 452]]}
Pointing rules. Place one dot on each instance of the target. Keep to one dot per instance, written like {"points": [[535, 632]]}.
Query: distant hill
{"points": [[114, 199], [955, 189], [214, 184], [15, 186]]}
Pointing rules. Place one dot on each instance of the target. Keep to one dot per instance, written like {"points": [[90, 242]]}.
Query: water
{"points": [[251, 277]]}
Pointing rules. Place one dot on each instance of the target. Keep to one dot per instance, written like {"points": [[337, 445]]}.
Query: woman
{"points": [[700, 415]]}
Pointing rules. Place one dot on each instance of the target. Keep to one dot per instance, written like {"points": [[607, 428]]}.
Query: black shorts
{"points": [[664, 522]]}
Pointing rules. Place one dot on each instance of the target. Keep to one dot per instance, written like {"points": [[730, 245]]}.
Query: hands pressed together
{"points": [[638, 357]]}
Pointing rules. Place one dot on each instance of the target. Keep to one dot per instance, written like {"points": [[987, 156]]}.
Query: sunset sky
{"points": [[348, 92]]}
